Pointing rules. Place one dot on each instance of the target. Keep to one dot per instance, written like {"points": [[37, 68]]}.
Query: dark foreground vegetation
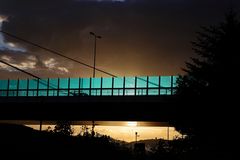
{"points": [[22, 142], [26, 143]]}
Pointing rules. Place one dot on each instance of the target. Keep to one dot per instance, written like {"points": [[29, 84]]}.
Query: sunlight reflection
{"points": [[132, 124]]}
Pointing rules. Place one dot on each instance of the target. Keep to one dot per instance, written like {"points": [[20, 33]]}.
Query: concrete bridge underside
{"points": [[128, 108]]}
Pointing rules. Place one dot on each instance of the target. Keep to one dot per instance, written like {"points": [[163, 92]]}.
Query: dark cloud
{"points": [[10, 46], [145, 37]]}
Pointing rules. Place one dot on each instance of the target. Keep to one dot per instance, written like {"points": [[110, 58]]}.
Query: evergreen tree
{"points": [[214, 71], [209, 89]]}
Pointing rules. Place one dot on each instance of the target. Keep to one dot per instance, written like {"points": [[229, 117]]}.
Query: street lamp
{"points": [[95, 50], [136, 135]]}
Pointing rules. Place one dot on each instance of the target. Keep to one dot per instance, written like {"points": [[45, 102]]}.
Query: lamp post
{"points": [[136, 135], [95, 50]]}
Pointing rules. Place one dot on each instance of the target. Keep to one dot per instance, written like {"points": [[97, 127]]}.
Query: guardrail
{"points": [[114, 86]]}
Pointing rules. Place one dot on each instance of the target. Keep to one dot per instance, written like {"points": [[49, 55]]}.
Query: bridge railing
{"points": [[120, 86]]}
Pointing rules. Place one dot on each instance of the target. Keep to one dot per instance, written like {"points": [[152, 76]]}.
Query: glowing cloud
{"points": [[31, 62], [52, 64], [8, 45], [63, 69], [24, 65]]}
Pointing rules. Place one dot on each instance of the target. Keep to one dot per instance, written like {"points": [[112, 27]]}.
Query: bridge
{"points": [[114, 98]]}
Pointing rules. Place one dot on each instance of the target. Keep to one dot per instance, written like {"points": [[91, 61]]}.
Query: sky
{"points": [[139, 37], [120, 130], [124, 131]]}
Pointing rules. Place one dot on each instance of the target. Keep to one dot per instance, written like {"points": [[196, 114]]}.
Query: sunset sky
{"points": [[120, 130], [140, 37], [125, 131]]}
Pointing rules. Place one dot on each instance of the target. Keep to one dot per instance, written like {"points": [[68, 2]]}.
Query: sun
{"points": [[132, 124]]}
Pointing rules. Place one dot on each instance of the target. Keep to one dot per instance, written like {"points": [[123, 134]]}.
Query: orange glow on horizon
{"points": [[125, 132], [132, 124]]}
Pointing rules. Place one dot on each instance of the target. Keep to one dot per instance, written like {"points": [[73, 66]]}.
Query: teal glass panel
{"points": [[22, 92], [32, 92], [98, 92], [174, 91], [168, 92], [52, 92], [33, 84], [85, 83], [141, 92], [165, 91], [96, 82], [63, 83], [107, 82], [130, 82], [63, 92], [153, 82], [95, 92], [175, 81], [32, 87], [153, 92], [129, 92], [85, 92], [53, 83], [117, 92], [13, 84], [142, 82], [12, 93], [74, 92], [42, 93], [165, 81], [42, 87], [74, 87], [12, 88], [3, 93], [74, 83], [43, 83], [118, 82], [3, 84], [107, 92], [23, 84], [81, 82], [22, 87]]}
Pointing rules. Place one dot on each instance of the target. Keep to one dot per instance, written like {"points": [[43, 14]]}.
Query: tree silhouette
{"points": [[219, 50], [210, 79], [63, 127]]}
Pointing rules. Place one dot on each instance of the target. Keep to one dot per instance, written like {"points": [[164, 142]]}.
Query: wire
{"points": [[30, 74], [60, 54], [55, 52]]}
